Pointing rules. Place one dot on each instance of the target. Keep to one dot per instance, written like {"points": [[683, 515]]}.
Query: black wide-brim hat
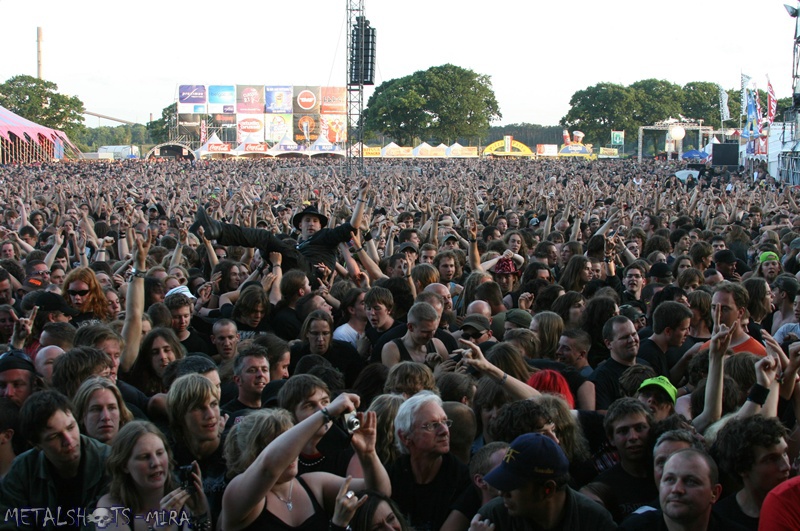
{"points": [[310, 210]]}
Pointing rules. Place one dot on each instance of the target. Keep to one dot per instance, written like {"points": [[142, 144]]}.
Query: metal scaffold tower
{"points": [[360, 72]]}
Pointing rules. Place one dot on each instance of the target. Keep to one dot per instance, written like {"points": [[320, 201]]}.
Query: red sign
{"points": [[218, 148], [250, 125], [306, 100]]}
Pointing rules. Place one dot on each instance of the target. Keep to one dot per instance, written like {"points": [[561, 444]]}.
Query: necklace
{"points": [[312, 463], [288, 502]]}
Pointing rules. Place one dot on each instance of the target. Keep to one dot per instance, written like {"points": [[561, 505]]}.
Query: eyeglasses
{"points": [[472, 335], [42, 273], [433, 426], [16, 354], [78, 292]]}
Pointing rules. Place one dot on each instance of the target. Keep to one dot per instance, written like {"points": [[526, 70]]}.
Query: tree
{"points": [[461, 102], [599, 109], [39, 101], [397, 109], [658, 100], [159, 129], [701, 102], [440, 104]]}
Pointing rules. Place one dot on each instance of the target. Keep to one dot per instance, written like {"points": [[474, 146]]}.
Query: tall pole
{"points": [[39, 52]]}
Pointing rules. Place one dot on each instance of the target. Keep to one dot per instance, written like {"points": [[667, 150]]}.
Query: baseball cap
{"points": [[531, 457], [660, 270], [16, 359], [519, 317], [477, 321], [768, 256], [663, 383], [724, 256], [50, 302], [407, 245], [450, 236]]}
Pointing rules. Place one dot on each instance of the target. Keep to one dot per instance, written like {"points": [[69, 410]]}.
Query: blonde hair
{"points": [[385, 408], [249, 437], [84, 394], [186, 393]]}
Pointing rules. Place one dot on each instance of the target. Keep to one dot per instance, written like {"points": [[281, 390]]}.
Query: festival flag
{"points": [[203, 131], [750, 130], [772, 102], [724, 111], [759, 115], [745, 83]]}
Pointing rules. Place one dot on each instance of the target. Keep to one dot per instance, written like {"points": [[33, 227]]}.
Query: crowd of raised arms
{"points": [[456, 344]]}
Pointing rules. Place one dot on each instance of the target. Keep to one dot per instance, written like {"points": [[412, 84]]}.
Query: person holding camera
{"points": [[142, 482], [268, 493]]}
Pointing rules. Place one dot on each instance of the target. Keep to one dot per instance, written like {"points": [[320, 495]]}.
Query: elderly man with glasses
{"points": [[426, 479]]}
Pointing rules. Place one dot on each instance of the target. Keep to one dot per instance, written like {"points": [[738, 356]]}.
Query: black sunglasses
{"points": [[78, 292]]}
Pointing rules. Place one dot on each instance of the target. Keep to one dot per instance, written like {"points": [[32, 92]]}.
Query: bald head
{"points": [[44, 361], [443, 292], [480, 307]]}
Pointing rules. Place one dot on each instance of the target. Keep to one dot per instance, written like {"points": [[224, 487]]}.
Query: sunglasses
{"points": [[78, 292], [43, 273]]}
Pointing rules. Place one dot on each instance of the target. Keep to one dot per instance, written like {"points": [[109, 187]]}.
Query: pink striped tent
{"points": [[23, 141]]}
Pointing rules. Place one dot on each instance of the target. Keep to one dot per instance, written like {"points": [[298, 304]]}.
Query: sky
{"points": [[127, 62]]}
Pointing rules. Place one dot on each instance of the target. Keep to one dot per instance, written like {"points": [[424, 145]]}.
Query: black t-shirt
{"points": [[426, 506], [196, 343], [652, 354], [729, 509], [213, 468], [334, 454], [341, 354], [631, 492], [286, 323]]}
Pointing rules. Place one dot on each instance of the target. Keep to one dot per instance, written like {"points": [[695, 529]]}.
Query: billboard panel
{"points": [[192, 94], [247, 124], [306, 100], [189, 124], [278, 99], [276, 126], [333, 127], [250, 99], [333, 100], [222, 94], [222, 120], [306, 128]]}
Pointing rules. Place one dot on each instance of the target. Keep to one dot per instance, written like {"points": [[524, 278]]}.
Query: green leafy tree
{"points": [[39, 101], [160, 129], [701, 102], [658, 100], [397, 109], [440, 104], [599, 109], [461, 102]]}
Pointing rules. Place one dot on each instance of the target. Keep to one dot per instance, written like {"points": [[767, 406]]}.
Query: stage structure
{"points": [[789, 159], [676, 131], [360, 72]]}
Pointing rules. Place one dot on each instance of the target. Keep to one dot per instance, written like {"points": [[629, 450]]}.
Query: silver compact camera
{"points": [[351, 421]]}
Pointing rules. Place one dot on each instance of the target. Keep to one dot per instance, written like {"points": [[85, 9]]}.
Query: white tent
{"points": [[323, 146], [285, 146], [214, 147]]}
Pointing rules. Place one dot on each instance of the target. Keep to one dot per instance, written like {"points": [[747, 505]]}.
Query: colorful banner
{"points": [[192, 94], [398, 152], [431, 151], [772, 103], [333, 100], [608, 152], [222, 120], [745, 84], [305, 100], [371, 151], [247, 124], [276, 126], [278, 99], [333, 127], [222, 94], [306, 128], [250, 99]]}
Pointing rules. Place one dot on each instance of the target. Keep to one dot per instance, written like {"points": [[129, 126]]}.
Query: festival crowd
{"points": [[457, 344]]}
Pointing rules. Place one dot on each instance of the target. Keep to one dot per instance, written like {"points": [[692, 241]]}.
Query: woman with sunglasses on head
{"points": [[85, 294]]}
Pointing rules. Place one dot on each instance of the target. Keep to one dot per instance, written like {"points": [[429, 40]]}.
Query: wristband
{"points": [[503, 379], [356, 250], [327, 416], [334, 527], [758, 394], [367, 236]]}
